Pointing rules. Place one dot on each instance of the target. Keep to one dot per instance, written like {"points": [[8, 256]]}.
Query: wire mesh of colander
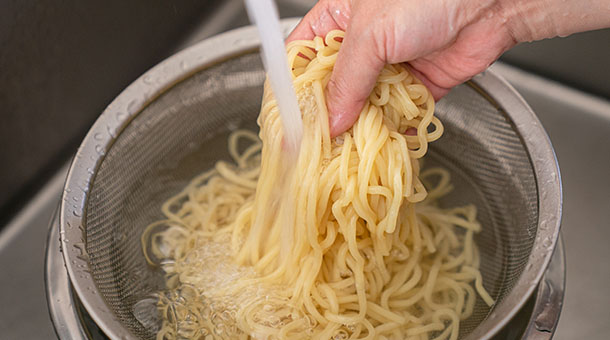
{"points": [[172, 124]]}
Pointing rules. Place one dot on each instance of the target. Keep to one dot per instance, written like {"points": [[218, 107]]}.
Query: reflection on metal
{"points": [[549, 299], [60, 300]]}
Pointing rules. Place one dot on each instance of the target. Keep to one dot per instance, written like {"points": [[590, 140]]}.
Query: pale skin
{"points": [[443, 42]]}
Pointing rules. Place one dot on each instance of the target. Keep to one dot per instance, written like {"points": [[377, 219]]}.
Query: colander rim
{"points": [[160, 78]]}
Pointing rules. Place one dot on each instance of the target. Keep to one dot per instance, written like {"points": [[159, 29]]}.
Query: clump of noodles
{"points": [[342, 242]]}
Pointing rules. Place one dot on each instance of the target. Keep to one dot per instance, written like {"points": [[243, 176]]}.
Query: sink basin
{"points": [[579, 127]]}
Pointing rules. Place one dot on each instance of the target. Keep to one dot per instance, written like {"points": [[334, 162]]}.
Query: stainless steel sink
{"points": [[579, 127]]}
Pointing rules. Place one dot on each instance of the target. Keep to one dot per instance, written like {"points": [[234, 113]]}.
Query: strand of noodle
{"points": [[478, 283]]}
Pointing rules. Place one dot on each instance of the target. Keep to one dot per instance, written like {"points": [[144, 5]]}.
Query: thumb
{"points": [[354, 76]]}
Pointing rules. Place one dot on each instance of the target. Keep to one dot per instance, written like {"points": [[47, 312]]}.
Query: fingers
{"points": [[359, 61], [437, 91], [324, 17], [353, 78]]}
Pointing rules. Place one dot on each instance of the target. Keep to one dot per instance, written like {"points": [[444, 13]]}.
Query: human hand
{"points": [[443, 42]]}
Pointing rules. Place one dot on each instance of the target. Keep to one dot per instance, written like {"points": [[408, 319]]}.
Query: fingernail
{"points": [[332, 121], [334, 118]]}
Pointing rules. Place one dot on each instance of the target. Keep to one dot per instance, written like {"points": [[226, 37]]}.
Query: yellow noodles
{"points": [[341, 241]]}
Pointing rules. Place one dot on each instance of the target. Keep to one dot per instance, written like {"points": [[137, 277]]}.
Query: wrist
{"points": [[529, 20], [526, 20]]}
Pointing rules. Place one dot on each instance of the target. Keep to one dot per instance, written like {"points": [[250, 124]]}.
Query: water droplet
{"points": [[84, 187], [541, 327], [99, 149], [148, 79], [98, 136], [120, 116], [76, 213], [80, 247], [233, 124], [183, 65], [111, 131], [132, 107], [543, 224]]}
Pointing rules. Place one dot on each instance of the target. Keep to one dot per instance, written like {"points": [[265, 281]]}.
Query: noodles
{"points": [[341, 241]]}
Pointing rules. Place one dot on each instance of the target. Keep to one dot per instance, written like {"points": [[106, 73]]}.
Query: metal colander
{"points": [[173, 122]]}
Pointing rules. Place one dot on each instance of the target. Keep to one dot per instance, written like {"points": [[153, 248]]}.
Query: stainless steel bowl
{"points": [[499, 154]]}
